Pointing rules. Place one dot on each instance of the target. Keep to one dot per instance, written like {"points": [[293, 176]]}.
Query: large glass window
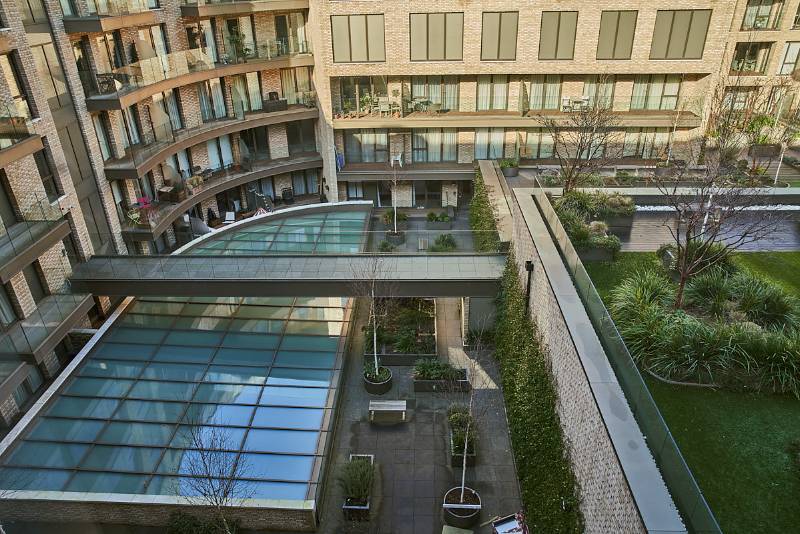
{"points": [[45, 169], [296, 84], [362, 92], [257, 142], [790, 57], [357, 38], [762, 15], [7, 313], [100, 122], [656, 91], [79, 50], [751, 58], [51, 76], [557, 36], [545, 91], [646, 143], [212, 100], [366, 146], [239, 37], [616, 34], [489, 143], [434, 145], [32, 12], [246, 93], [152, 42], [442, 90], [301, 137], [680, 34], [72, 142], [8, 64], [220, 153], [599, 90], [538, 144], [436, 36], [499, 36], [305, 182], [492, 92], [202, 36]]}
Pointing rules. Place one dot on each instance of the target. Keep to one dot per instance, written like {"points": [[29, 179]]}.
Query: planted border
{"points": [[481, 218]]}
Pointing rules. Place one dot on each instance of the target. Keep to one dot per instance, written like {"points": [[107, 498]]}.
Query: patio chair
{"points": [[434, 108], [230, 217], [566, 104], [384, 107]]}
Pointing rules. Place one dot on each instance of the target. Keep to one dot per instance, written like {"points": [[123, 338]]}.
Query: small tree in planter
{"points": [[356, 479], [510, 167]]}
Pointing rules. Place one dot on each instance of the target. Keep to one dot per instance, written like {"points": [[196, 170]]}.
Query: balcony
{"points": [[212, 8], [7, 42], [13, 372], [129, 84], [17, 136], [445, 171], [751, 59], [142, 159], [40, 228], [153, 220], [112, 15], [36, 336]]}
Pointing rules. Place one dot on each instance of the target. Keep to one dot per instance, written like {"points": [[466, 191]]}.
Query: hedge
{"points": [[481, 218], [549, 491]]}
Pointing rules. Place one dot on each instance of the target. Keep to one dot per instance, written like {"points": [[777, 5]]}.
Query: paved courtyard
{"points": [[416, 229], [413, 461]]}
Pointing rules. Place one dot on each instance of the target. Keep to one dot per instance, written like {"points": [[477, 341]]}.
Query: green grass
{"points": [[735, 443]]}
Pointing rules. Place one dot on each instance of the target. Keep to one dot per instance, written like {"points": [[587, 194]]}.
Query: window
{"points": [[101, 129], [557, 38], [790, 56], [357, 38], [202, 35], [246, 93], [152, 42], [751, 58], [656, 91], [599, 89], [32, 12], [96, 224], [110, 54], [442, 90], [492, 92], [256, 141], [296, 84], [9, 65], [762, 15], [51, 75], [434, 144], [46, 175], [78, 163], [616, 34], [79, 50], [366, 146], [238, 37], [437, 36], [499, 36], [796, 22], [212, 100], [680, 34], [538, 144], [738, 98], [361, 92], [168, 104], [220, 153], [489, 143], [67, 7], [305, 182], [645, 143], [545, 91], [7, 313], [301, 138], [355, 190], [133, 129]]}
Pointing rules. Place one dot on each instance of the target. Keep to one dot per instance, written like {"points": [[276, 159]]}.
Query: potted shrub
{"points": [[432, 374], [459, 420], [389, 223], [438, 221], [377, 380], [386, 247], [617, 211], [356, 478], [509, 166], [443, 243]]}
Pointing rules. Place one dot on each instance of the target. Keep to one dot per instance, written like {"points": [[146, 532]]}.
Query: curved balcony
{"points": [[129, 84], [160, 216], [17, 136], [213, 8], [112, 15], [142, 160]]}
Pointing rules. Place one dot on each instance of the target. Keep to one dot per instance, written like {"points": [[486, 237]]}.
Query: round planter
{"points": [[509, 172], [396, 239], [461, 517], [379, 388]]}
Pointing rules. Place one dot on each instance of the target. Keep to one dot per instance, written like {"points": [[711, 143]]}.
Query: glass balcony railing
{"points": [[114, 8], [159, 68], [33, 223], [15, 123], [213, 2]]}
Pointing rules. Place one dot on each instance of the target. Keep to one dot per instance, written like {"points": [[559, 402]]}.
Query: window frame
{"points": [[615, 42], [783, 63], [349, 17], [375, 150], [427, 34], [775, 17], [683, 57], [557, 35], [499, 35], [648, 93]]}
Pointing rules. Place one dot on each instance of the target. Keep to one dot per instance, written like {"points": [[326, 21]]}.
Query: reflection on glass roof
{"points": [[257, 371]]}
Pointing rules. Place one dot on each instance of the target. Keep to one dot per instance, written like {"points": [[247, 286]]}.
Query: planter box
{"points": [[510, 171], [438, 225], [456, 458], [461, 516], [429, 386], [396, 239], [764, 151], [378, 388], [663, 172], [595, 254], [402, 226], [357, 512], [620, 225], [400, 360]]}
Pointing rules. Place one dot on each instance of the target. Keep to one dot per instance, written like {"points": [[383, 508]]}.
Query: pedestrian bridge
{"points": [[299, 275]]}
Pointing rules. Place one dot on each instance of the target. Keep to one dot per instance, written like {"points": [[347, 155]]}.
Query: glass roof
{"points": [[251, 378]]}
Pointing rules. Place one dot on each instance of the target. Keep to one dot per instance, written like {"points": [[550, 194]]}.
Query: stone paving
{"points": [[413, 459], [416, 228]]}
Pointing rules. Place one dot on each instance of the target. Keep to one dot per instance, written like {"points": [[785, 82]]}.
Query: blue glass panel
{"points": [[211, 309], [194, 338], [164, 308], [136, 335], [244, 357], [236, 374], [277, 490], [122, 458], [99, 387], [267, 301], [299, 418], [257, 326], [291, 441], [250, 341], [292, 247], [171, 353], [38, 454], [161, 485], [202, 323], [263, 312], [145, 321], [174, 371], [187, 462], [107, 483], [161, 412], [137, 434], [319, 343], [286, 376], [277, 466], [209, 437], [219, 414], [315, 328], [287, 396], [112, 368], [318, 314], [321, 360], [33, 479], [174, 391], [66, 429], [74, 407], [324, 302], [124, 351], [227, 393], [337, 248]]}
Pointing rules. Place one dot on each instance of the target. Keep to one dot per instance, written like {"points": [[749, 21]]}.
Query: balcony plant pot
{"points": [[401, 226], [457, 515], [457, 456], [396, 238], [595, 254], [619, 225], [429, 386], [510, 172], [353, 510], [438, 225], [378, 388]]}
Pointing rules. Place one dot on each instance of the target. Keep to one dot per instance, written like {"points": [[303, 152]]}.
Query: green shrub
{"points": [[778, 363], [356, 478], [509, 163], [441, 217], [574, 224], [643, 288], [482, 219], [794, 453], [181, 523], [459, 419], [547, 484], [765, 304], [386, 247], [388, 217], [435, 369], [405, 342], [709, 291], [443, 243], [382, 374]]}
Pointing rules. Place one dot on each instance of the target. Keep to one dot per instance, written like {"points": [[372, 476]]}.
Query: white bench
{"points": [[388, 410]]}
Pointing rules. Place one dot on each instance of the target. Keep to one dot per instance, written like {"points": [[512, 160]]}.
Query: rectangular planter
{"points": [[400, 360], [457, 459], [438, 225], [620, 225], [595, 254], [401, 226], [354, 512], [430, 386]]}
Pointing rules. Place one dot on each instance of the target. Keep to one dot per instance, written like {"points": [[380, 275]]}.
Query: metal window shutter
{"points": [[658, 47], [455, 36], [697, 34], [418, 36], [625, 32], [680, 32], [340, 29], [608, 28], [358, 38], [508, 36], [490, 35], [566, 35], [376, 38], [548, 35], [436, 36]]}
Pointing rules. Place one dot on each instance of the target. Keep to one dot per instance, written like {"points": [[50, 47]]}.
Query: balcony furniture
{"points": [[566, 104], [434, 108], [387, 411], [230, 217], [420, 104], [276, 105], [383, 106], [287, 195]]}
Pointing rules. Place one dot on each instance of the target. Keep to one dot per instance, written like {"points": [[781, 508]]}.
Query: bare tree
{"points": [[370, 281], [216, 477], [585, 138]]}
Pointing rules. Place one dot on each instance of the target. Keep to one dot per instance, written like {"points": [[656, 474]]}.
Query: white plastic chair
{"points": [[230, 217]]}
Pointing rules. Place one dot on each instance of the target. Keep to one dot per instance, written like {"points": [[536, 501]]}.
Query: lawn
{"points": [[735, 443]]}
